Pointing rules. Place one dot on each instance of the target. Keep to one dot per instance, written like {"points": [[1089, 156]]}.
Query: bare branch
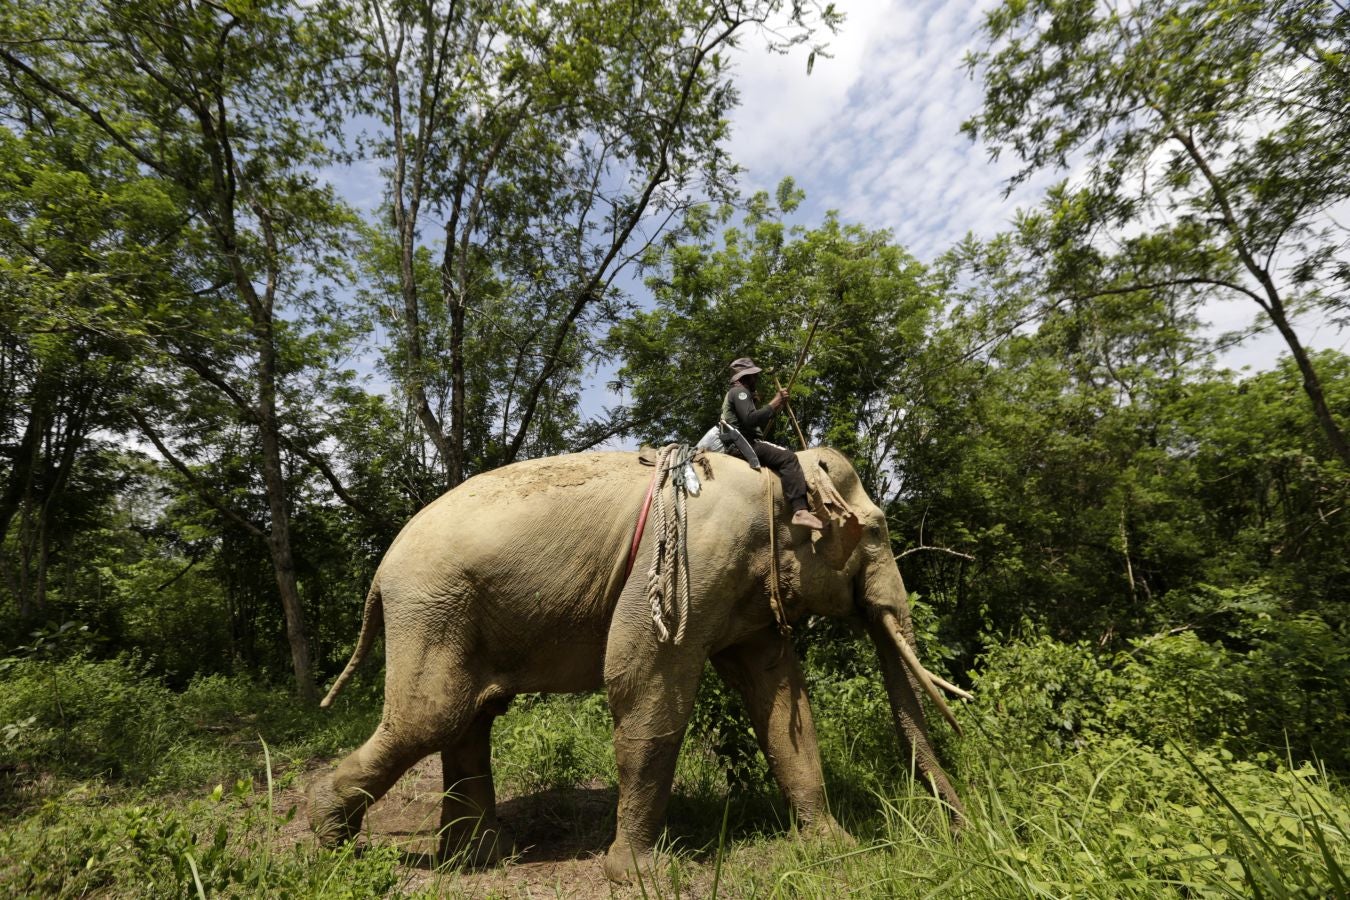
{"points": [[902, 555], [196, 483]]}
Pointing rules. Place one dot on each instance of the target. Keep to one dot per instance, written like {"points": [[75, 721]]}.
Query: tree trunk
{"points": [[1312, 385], [18, 493], [44, 550], [25, 567], [457, 404], [279, 538], [412, 323], [25, 459]]}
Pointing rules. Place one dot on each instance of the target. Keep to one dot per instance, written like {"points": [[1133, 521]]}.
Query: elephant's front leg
{"points": [[764, 669], [469, 828], [651, 693]]}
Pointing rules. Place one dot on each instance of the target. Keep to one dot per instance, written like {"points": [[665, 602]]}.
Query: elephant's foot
{"points": [[476, 849], [624, 864], [333, 821], [824, 827], [957, 821]]}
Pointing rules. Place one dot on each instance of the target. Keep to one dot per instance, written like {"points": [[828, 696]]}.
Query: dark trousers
{"points": [[784, 462]]}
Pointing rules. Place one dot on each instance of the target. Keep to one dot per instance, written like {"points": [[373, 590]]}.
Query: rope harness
{"points": [[668, 575]]}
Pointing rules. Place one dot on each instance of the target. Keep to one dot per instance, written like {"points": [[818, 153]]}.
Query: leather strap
{"points": [[641, 525]]}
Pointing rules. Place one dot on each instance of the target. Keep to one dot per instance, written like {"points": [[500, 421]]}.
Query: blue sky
{"points": [[874, 132]]}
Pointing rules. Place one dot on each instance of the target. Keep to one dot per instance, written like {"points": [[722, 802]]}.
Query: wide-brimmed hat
{"points": [[742, 367]]}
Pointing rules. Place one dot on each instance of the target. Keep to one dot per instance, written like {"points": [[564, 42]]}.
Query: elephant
{"points": [[517, 581]]}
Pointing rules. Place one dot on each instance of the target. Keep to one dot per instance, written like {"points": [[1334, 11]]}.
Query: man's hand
{"points": [[779, 398]]}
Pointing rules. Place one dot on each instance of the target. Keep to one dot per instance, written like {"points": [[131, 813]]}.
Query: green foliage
{"points": [[551, 143], [553, 742], [1059, 803], [1264, 693], [223, 845], [759, 293], [1091, 475], [721, 724], [1138, 561], [1121, 819], [88, 718], [1208, 130], [110, 719]]}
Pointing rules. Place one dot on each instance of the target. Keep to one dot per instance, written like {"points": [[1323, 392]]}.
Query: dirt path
{"points": [[562, 835]]}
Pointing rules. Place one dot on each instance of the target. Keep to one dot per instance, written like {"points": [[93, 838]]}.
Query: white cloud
{"points": [[781, 106], [874, 131]]}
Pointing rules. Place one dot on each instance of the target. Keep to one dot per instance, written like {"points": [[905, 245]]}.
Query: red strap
{"points": [[641, 524]]}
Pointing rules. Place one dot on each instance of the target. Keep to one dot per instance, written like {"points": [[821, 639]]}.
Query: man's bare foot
{"points": [[805, 517]]}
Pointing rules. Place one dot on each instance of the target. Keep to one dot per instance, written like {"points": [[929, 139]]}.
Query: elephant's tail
{"points": [[372, 620]]}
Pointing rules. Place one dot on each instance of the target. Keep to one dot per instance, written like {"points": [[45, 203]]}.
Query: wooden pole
{"points": [[801, 361], [791, 415], [801, 357]]}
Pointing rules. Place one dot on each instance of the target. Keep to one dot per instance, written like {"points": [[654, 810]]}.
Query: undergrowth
{"points": [[115, 786]]}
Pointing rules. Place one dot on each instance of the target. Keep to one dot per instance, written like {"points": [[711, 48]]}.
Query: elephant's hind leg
{"points": [[337, 803], [469, 827], [432, 714]]}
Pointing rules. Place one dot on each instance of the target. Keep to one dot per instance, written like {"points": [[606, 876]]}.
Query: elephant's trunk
{"points": [[904, 679], [925, 678]]}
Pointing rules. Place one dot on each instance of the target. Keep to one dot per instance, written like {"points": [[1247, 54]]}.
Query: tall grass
{"points": [[1116, 820], [1102, 815]]}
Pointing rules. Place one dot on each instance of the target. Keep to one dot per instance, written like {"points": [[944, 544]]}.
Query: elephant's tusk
{"points": [[911, 660], [951, 688]]}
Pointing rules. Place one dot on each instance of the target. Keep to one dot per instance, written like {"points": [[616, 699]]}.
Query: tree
{"points": [[1046, 456], [760, 293], [81, 231], [1096, 477], [214, 104], [550, 143], [1212, 140]]}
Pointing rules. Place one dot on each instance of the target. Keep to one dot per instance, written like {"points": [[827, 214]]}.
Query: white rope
{"points": [[668, 575], [659, 532]]}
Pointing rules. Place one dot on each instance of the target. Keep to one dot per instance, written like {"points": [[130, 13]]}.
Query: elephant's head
{"points": [[851, 572]]}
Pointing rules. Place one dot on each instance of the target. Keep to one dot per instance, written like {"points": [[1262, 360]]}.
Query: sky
{"points": [[874, 133]]}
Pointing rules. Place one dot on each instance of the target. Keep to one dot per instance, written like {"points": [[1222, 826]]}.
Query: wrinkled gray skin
{"points": [[514, 583]]}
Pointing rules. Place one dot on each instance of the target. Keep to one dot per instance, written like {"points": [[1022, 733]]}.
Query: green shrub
{"points": [[1177, 687], [1279, 692], [546, 742], [721, 725], [1043, 692], [225, 845], [82, 717], [1295, 678]]}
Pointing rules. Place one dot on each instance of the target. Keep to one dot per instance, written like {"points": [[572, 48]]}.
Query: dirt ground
{"points": [[562, 835]]}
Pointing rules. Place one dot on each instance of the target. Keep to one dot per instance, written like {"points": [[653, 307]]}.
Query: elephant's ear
{"points": [[843, 530]]}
